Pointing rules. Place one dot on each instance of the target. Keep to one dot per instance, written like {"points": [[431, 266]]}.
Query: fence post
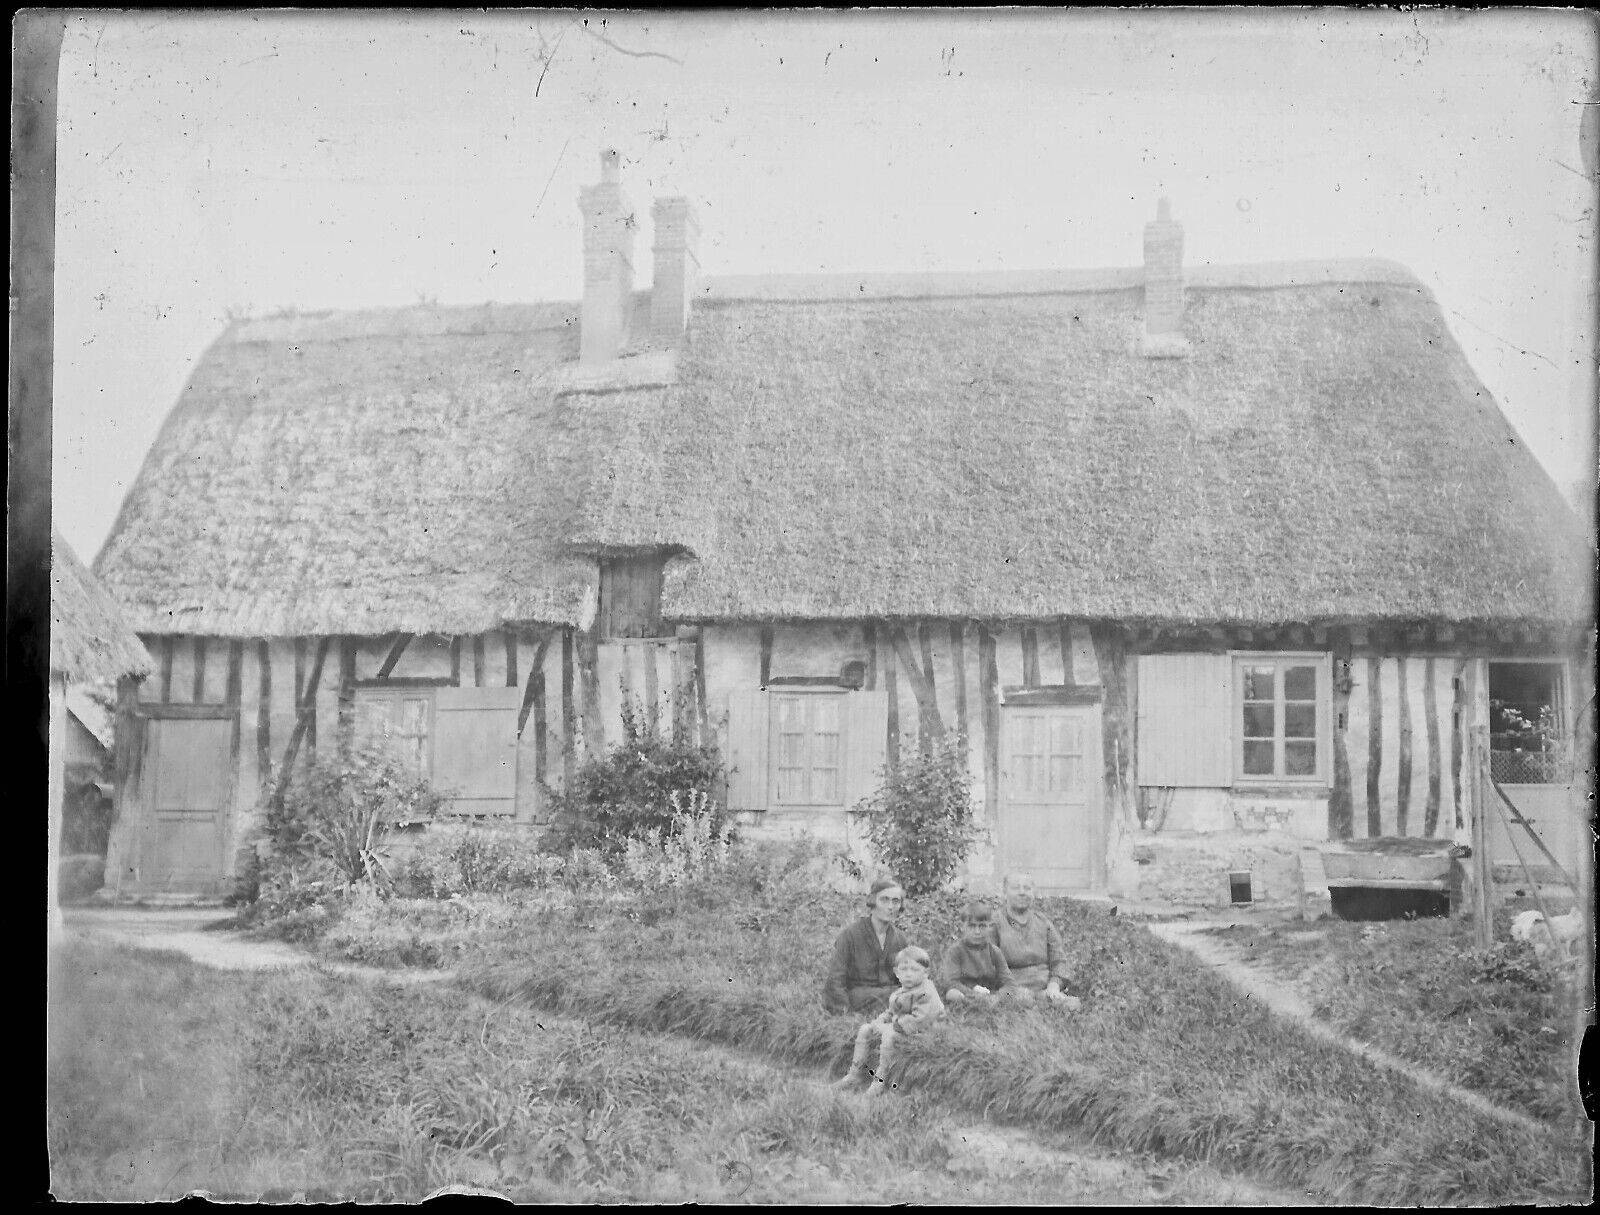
{"points": [[1482, 866]]}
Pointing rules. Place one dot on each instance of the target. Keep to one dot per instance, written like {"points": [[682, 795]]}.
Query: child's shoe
{"points": [[850, 1079]]}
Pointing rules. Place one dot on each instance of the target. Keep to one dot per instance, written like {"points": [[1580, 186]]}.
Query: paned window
{"points": [[808, 749], [401, 721], [1281, 713]]}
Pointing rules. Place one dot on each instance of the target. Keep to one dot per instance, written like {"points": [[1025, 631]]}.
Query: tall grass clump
{"points": [[643, 784], [921, 821]]}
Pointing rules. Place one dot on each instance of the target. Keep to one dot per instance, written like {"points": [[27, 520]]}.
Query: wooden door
{"points": [[189, 762], [475, 749], [1050, 814]]}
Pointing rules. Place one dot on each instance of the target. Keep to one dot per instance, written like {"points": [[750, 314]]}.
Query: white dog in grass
{"points": [[1568, 932]]}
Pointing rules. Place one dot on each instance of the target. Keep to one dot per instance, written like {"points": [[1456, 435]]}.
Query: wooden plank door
{"points": [[475, 749], [190, 762], [1050, 814]]}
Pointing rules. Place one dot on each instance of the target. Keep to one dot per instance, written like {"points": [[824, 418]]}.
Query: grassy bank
{"points": [[1164, 1058], [1489, 1020], [165, 1078]]}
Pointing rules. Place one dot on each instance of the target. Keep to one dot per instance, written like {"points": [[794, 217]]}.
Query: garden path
{"points": [[1285, 1001], [195, 932]]}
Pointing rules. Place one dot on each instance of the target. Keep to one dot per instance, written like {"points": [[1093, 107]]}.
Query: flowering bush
{"points": [[693, 850]]}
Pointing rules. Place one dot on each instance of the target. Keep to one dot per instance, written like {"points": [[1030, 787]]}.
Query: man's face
{"points": [[887, 903]]}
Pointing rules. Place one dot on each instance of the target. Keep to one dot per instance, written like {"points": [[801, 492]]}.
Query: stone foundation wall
{"points": [[1188, 868]]}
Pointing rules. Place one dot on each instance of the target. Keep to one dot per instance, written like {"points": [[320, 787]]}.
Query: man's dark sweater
{"points": [[861, 971]]}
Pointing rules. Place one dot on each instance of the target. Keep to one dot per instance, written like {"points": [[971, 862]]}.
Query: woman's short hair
{"points": [[879, 886], [1015, 876], [913, 953]]}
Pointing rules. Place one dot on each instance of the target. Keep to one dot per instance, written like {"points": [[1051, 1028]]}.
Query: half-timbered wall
{"points": [[289, 697], [937, 676]]}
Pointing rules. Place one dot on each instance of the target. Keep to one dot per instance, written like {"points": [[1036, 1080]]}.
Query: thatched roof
{"points": [[90, 641], [1324, 453], [409, 469], [977, 445]]}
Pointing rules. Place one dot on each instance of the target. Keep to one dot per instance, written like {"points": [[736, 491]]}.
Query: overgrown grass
{"points": [[1489, 1020], [1165, 1057], [165, 1078]]}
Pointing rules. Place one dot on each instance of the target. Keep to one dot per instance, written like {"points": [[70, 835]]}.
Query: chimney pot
{"points": [[608, 229], [1163, 284], [677, 269]]}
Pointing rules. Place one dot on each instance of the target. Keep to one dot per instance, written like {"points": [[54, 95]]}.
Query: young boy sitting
{"points": [[914, 1006], [974, 967]]}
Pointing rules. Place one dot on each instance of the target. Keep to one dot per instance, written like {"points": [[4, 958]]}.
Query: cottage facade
{"points": [[1205, 565]]}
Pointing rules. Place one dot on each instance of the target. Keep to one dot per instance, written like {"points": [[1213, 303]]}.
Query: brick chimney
{"points": [[1163, 285], [677, 269], [608, 228]]}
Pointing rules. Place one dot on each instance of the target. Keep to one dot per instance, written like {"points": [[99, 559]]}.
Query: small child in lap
{"points": [[914, 1006], [974, 967]]}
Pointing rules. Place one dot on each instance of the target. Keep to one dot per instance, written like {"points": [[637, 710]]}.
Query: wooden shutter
{"points": [[1186, 720], [747, 750], [475, 748], [866, 732]]}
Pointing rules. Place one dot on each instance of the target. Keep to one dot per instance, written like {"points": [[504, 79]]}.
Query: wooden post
{"points": [[1477, 807]]}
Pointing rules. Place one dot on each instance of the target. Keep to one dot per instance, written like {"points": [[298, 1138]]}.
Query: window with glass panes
{"points": [[1280, 717], [808, 758], [401, 721]]}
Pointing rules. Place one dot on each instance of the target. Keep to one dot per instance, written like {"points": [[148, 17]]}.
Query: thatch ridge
{"points": [[90, 642], [942, 284]]}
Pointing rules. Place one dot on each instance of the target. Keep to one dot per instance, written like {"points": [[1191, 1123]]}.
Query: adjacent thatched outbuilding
{"points": [[90, 643], [1206, 565]]}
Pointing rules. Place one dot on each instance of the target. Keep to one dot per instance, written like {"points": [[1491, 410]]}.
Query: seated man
{"points": [[974, 968], [861, 974], [1030, 942]]}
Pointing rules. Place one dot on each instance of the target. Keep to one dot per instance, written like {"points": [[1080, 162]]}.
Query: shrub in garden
{"points": [[325, 834], [473, 858], [921, 820], [628, 792], [336, 809]]}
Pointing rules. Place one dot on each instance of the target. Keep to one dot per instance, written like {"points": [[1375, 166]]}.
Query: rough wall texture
{"points": [[1191, 868]]}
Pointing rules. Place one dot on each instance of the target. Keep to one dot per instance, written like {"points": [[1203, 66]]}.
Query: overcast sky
{"points": [[222, 164]]}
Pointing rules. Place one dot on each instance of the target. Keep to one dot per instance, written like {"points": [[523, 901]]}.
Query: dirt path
{"points": [[1285, 1001]]}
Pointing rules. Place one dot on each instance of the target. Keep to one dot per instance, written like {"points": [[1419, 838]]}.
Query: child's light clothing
{"points": [[910, 1009], [914, 1008]]}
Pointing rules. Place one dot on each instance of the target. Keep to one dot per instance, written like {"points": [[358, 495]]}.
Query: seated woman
{"points": [[1030, 942], [861, 974]]}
